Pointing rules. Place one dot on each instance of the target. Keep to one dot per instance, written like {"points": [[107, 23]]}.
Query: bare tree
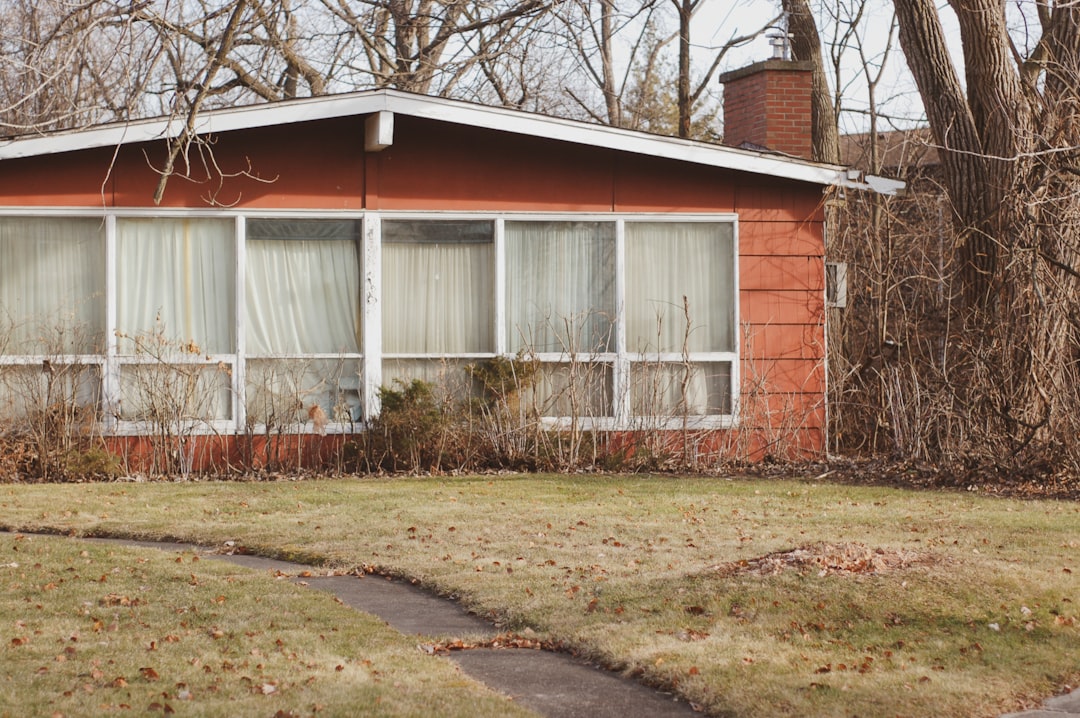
{"points": [[1010, 145], [806, 47], [64, 65], [408, 44]]}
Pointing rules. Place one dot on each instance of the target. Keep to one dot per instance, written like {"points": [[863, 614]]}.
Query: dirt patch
{"points": [[826, 559]]}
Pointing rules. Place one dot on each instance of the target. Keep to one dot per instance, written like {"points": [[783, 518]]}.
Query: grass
{"points": [[661, 577], [90, 629]]}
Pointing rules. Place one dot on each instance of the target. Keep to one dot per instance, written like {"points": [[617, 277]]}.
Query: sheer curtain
{"points": [[438, 285], [560, 286], [657, 389], [303, 287], [177, 276], [52, 285], [666, 261]]}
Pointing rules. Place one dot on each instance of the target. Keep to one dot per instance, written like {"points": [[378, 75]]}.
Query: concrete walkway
{"points": [[552, 684]]}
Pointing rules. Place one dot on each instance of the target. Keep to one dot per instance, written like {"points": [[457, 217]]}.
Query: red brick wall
{"points": [[768, 104]]}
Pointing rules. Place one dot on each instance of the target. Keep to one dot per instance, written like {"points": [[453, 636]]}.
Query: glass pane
{"points": [[303, 286], [667, 262], [284, 393], [448, 378], [52, 285], [560, 286], [175, 285], [438, 287], [166, 393], [674, 390], [580, 390], [65, 395]]}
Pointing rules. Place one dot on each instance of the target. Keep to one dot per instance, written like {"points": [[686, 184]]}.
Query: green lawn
{"points": [[901, 603]]}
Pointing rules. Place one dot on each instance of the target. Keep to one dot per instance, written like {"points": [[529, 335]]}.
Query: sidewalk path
{"points": [[552, 684]]}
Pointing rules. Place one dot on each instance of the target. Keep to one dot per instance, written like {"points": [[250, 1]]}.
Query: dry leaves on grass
{"points": [[503, 640], [827, 559]]}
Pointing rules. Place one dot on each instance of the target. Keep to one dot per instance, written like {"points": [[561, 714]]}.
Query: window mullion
{"points": [[110, 389], [239, 381], [621, 370], [371, 308], [500, 287]]}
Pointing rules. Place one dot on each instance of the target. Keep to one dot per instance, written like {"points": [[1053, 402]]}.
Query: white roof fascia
{"points": [[433, 108]]}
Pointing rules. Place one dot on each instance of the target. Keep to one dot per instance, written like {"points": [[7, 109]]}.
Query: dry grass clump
{"points": [[829, 559]]}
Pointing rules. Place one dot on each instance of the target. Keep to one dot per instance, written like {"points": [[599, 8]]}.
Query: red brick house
{"points": [[317, 249]]}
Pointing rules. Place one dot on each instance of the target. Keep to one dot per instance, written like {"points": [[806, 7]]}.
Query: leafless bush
{"points": [[172, 393], [50, 415]]}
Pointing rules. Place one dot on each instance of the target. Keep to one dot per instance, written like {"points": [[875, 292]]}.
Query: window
{"points": [[560, 282], [224, 320], [302, 321], [175, 314], [175, 285], [438, 297], [52, 314], [303, 287], [680, 317], [52, 285]]}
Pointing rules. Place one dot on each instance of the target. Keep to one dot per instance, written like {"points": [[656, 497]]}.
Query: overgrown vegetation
{"points": [[173, 404], [913, 377], [748, 597]]}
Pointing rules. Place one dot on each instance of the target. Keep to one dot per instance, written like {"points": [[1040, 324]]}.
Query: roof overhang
{"points": [[385, 103]]}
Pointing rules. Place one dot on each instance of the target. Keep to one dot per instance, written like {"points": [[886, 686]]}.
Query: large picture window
{"points": [[52, 285], [230, 321], [680, 317], [175, 279], [303, 287], [302, 320], [560, 286], [438, 287]]}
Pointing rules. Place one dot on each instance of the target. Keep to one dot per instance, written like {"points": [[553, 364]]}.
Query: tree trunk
{"points": [[806, 47], [1008, 149], [686, 11]]}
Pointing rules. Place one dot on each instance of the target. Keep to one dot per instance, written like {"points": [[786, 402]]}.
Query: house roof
{"points": [[386, 103]]}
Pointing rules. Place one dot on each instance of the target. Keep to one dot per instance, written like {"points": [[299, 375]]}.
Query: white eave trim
{"points": [[433, 108]]}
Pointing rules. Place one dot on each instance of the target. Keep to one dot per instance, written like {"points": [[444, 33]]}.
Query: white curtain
{"points": [[303, 287], [438, 287], [580, 391], [283, 392], [658, 389], [52, 285], [666, 261], [560, 286], [176, 276]]}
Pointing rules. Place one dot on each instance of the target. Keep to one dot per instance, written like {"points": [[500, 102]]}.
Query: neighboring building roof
{"points": [[385, 103], [898, 151]]}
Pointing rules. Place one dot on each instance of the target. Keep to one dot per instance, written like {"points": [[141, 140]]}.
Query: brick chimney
{"points": [[767, 105]]}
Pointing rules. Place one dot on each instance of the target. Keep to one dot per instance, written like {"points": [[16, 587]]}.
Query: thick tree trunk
{"points": [[806, 47], [1008, 149]]}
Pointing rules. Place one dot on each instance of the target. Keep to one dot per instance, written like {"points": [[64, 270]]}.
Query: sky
{"points": [[896, 94]]}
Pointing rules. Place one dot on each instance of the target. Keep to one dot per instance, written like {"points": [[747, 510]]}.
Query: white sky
{"points": [[896, 96]]}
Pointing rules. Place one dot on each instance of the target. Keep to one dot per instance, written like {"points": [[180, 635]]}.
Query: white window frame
{"points": [[620, 360], [370, 356]]}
